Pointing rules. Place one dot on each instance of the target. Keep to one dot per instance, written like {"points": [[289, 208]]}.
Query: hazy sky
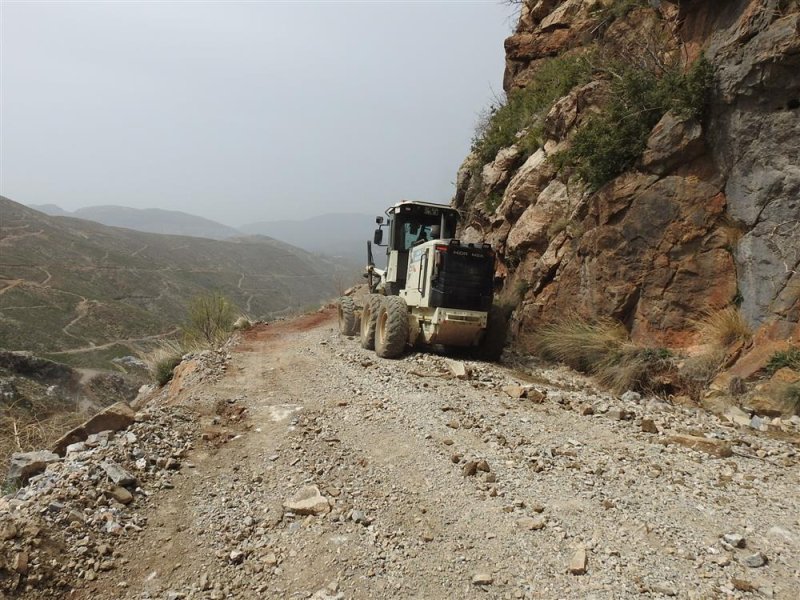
{"points": [[243, 111]]}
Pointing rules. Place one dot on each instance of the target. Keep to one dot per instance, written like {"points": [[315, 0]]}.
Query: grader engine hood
{"points": [[462, 275]]}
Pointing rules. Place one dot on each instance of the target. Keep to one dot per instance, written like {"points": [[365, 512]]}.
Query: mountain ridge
{"points": [[84, 292], [339, 235]]}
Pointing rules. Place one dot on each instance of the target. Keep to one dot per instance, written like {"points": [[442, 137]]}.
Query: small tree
{"points": [[210, 319]]}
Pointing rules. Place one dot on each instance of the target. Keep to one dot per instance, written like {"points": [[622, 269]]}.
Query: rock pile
{"points": [[65, 524]]}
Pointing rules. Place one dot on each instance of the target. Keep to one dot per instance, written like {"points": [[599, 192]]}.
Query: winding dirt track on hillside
{"points": [[388, 443], [124, 342]]}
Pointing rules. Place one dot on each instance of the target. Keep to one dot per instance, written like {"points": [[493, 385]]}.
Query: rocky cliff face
{"points": [[707, 216]]}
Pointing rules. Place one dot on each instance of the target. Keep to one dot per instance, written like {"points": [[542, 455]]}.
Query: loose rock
{"points": [[577, 564], [308, 501]]}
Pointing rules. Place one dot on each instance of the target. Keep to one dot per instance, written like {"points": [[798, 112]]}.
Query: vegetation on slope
{"points": [[785, 358], [611, 141], [603, 348], [83, 293], [209, 320], [518, 118]]}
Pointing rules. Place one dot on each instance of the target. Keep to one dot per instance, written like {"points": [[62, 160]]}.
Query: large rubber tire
{"points": [[348, 321], [369, 316], [494, 340], [391, 329]]}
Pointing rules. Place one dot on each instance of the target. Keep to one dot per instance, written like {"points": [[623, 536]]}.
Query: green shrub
{"points": [[785, 358], [162, 360], [210, 319], [611, 141], [165, 368], [8, 487], [619, 9], [526, 108], [492, 201]]}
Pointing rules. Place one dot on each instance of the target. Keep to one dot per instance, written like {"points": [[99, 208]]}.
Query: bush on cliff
{"points": [[611, 141], [785, 358], [523, 110], [210, 319]]}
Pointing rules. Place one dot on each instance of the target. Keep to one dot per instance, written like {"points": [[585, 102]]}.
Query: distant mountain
{"points": [[50, 209], [80, 291], [342, 235], [151, 220]]}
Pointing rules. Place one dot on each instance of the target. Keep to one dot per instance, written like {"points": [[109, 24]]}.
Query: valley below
{"points": [[294, 464], [83, 293]]}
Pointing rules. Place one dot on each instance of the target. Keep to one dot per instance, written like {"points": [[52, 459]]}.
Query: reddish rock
{"points": [[529, 46], [180, 375], [785, 375], [532, 229], [648, 246], [756, 359]]}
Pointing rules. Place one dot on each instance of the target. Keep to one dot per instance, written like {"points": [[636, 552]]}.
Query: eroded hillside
{"points": [[83, 292]]}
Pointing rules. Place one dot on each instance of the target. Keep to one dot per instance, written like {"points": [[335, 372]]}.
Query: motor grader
{"points": [[434, 291]]}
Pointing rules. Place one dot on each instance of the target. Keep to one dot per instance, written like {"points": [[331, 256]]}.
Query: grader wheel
{"points": [[368, 319], [348, 319], [391, 330]]}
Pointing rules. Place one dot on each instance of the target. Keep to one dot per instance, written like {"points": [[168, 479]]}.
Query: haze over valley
{"points": [[84, 293]]}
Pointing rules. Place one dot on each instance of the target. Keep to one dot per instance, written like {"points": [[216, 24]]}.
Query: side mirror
{"points": [[378, 237], [379, 220]]}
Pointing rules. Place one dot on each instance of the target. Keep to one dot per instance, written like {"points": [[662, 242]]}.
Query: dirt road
{"points": [[444, 488]]}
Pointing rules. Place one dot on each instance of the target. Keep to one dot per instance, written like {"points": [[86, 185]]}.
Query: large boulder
{"points": [[525, 186], [496, 173], [546, 29], [532, 230], [652, 248], [114, 418], [674, 140]]}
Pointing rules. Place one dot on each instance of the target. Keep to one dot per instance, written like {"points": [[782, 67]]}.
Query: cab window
{"points": [[414, 232]]}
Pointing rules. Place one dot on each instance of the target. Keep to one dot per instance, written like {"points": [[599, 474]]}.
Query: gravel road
{"points": [[348, 476]]}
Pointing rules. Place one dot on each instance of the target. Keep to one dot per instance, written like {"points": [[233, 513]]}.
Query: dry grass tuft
{"points": [[718, 331], [697, 372], [162, 360], [602, 347], [35, 425], [580, 343], [724, 327], [243, 323]]}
